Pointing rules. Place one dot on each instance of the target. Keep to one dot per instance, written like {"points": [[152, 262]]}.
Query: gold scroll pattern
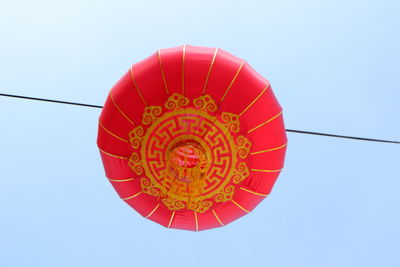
{"points": [[180, 119]]}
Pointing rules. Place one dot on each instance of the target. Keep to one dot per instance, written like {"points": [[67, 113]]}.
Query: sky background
{"points": [[334, 66]]}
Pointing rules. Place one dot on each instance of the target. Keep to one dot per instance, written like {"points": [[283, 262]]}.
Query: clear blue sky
{"points": [[334, 66]]}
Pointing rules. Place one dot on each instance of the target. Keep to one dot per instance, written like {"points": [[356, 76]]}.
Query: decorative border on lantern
{"points": [[178, 120]]}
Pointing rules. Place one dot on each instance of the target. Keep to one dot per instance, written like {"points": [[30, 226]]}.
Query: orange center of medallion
{"points": [[186, 161]]}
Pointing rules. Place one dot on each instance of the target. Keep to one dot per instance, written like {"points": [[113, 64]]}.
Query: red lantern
{"points": [[192, 138]]}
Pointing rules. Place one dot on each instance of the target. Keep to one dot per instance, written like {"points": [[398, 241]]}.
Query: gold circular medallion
{"points": [[189, 158]]}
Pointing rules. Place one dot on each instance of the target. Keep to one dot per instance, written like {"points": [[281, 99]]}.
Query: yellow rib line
{"points": [[123, 180], [216, 216], [170, 220], [111, 133], [269, 120], [258, 170], [254, 101], [183, 69], [252, 192], [268, 150], [120, 111], [209, 71], [137, 88], [112, 155], [135, 195], [233, 80], [234, 202], [162, 71], [197, 222], [152, 211]]}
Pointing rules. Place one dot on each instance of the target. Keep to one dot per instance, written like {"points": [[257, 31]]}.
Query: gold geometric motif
{"points": [[190, 158]]}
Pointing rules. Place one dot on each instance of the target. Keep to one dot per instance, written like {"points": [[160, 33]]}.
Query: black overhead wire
{"points": [[344, 136], [51, 100], [288, 130]]}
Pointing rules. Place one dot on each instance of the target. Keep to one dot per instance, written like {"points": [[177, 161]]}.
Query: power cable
{"points": [[344, 136], [288, 130], [51, 100]]}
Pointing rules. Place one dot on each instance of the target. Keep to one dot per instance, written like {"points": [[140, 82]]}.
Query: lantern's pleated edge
{"points": [[213, 218], [221, 215]]}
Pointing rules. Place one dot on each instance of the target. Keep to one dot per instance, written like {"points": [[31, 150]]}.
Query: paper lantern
{"points": [[192, 138]]}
